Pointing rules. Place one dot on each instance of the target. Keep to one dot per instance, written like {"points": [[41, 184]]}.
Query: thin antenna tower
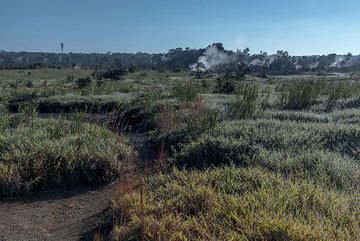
{"points": [[62, 47]]}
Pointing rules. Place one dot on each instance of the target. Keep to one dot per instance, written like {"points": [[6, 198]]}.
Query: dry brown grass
{"points": [[186, 114], [98, 237]]}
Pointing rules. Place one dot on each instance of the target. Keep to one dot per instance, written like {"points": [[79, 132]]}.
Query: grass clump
{"points": [[210, 151], [233, 204], [51, 153], [245, 104], [177, 125], [300, 96], [185, 92]]}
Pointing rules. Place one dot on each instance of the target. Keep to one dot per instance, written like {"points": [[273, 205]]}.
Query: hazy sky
{"points": [[299, 26]]}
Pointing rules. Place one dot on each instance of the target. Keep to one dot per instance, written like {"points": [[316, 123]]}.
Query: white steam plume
{"points": [[212, 58]]}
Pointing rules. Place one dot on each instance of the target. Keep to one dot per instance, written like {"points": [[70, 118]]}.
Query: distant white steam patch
{"points": [[337, 62], [258, 62], [297, 65], [314, 65], [164, 58], [212, 58]]}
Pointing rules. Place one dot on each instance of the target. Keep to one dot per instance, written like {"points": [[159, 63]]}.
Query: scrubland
{"points": [[252, 159]]}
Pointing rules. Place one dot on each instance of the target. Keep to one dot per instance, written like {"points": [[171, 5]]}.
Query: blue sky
{"points": [[301, 27]]}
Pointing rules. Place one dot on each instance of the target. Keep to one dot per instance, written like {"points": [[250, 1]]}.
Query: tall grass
{"points": [[234, 204], [246, 102], [300, 96], [179, 124], [48, 153], [341, 90], [185, 92]]}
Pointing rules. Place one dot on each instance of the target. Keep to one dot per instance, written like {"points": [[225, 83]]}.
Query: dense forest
{"points": [[214, 57]]}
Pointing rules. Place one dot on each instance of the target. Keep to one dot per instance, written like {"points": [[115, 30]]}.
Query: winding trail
{"points": [[55, 215], [67, 214]]}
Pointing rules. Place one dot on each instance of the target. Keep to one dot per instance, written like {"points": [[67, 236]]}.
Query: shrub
{"points": [[225, 85], [133, 68], [114, 74], [83, 82], [29, 84]]}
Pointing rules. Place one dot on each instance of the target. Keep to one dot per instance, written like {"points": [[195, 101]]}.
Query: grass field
{"points": [[256, 159]]}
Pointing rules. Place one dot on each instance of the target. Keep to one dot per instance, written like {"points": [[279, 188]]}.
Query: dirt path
{"points": [[55, 215], [63, 214]]}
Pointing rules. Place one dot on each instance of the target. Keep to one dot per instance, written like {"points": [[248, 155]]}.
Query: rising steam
{"points": [[212, 58]]}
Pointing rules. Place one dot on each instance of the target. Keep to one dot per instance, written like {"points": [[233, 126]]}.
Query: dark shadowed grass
{"points": [[73, 103]]}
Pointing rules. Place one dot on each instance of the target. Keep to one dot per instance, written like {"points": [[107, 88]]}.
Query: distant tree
{"points": [[219, 46], [114, 74], [132, 68], [117, 64]]}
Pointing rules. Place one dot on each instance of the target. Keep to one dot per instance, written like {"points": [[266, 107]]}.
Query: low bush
{"points": [[83, 82], [134, 119], [350, 103], [113, 74], [348, 116], [225, 85]]}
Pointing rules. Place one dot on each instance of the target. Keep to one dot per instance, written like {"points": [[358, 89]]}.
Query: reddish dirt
{"points": [[71, 214], [55, 215]]}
